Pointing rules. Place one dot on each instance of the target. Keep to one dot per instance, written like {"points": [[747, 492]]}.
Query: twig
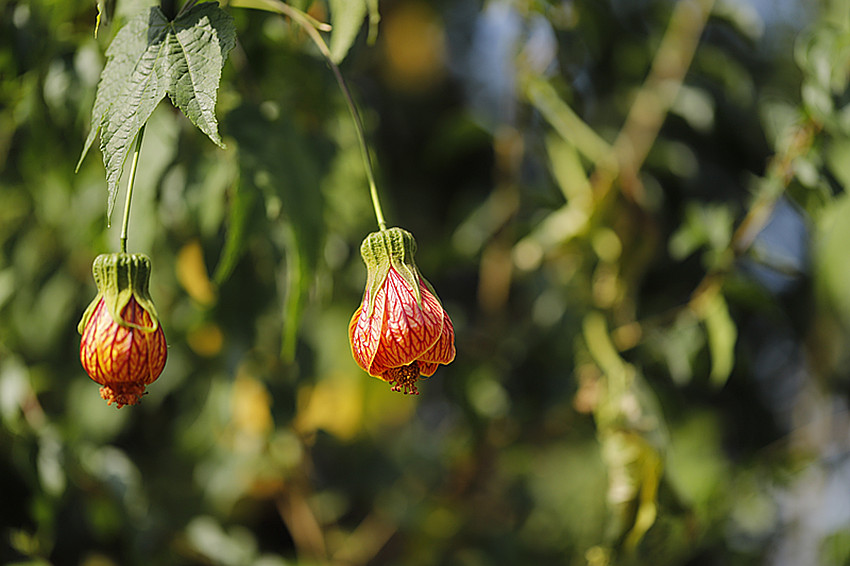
{"points": [[655, 97], [362, 545], [302, 525]]}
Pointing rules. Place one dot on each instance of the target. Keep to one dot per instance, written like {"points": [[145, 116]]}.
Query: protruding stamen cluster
{"points": [[403, 379], [122, 393]]}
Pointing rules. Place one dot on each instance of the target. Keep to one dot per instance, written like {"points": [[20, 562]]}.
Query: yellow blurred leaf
{"points": [[206, 340], [251, 405], [192, 273], [335, 405], [414, 45], [634, 472]]}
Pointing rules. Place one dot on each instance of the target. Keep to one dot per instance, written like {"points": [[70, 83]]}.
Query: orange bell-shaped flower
{"points": [[400, 331], [123, 346]]}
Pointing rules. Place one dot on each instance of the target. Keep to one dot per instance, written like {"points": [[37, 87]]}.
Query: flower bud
{"points": [[400, 331], [123, 346]]}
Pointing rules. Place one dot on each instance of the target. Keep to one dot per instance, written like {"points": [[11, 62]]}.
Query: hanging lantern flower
{"points": [[123, 347], [400, 332]]}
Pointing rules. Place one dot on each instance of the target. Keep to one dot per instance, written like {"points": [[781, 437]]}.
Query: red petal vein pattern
{"points": [[427, 369], [408, 330], [122, 359], [394, 336], [365, 331], [443, 351]]}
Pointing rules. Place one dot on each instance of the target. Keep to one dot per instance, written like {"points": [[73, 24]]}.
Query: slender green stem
{"points": [[274, 6], [309, 25], [361, 139], [130, 183], [186, 7]]}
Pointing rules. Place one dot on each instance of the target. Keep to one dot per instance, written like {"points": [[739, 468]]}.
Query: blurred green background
{"points": [[633, 210]]}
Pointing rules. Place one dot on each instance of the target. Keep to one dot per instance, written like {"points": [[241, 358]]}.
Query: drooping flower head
{"points": [[123, 347], [400, 331]]}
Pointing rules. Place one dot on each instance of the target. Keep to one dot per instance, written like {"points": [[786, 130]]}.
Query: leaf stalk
{"points": [[132, 181]]}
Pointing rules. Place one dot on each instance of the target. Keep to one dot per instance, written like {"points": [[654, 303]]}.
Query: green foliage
{"points": [[149, 58], [834, 273], [722, 336], [635, 214], [346, 18], [276, 162]]}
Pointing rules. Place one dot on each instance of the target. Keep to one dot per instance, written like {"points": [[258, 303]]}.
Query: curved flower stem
{"points": [[361, 136], [310, 25], [130, 184]]}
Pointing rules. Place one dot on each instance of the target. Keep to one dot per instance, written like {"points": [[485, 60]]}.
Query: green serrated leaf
{"points": [[122, 57], [149, 58], [202, 39], [346, 18]]}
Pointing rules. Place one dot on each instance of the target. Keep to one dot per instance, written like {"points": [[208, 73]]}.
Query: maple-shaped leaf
{"points": [[149, 58]]}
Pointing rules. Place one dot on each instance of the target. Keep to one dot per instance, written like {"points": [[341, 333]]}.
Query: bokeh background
{"points": [[633, 210]]}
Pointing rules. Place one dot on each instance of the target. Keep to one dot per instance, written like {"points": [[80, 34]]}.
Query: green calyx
{"points": [[120, 277], [393, 247]]}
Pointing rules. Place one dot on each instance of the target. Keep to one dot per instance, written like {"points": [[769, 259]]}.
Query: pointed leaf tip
{"points": [[202, 39], [347, 17]]}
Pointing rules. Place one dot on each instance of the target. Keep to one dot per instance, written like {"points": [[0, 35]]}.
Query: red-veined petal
{"points": [[427, 369], [443, 351], [122, 359], [409, 329], [364, 331]]}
